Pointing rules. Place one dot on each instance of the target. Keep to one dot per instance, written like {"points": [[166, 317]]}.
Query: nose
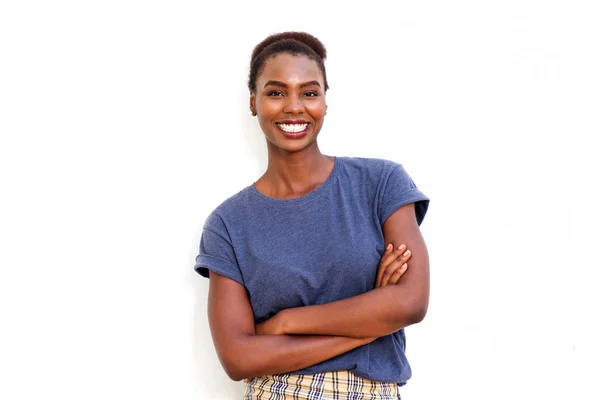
{"points": [[294, 105]]}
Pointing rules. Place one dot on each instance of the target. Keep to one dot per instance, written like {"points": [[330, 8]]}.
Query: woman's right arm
{"points": [[244, 354]]}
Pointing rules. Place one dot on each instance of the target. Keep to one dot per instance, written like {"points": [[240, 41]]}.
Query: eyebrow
{"points": [[281, 84]]}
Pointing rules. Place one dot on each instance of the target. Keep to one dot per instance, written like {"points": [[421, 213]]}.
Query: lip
{"points": [[293, 135], [293, 121]]}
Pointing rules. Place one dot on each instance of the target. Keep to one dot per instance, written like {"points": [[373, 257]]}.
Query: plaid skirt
{"points": [[336, 385]]}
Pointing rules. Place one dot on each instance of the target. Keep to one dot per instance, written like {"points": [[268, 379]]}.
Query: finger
{"points": [[405, 256], [388, 250], [390, 255], [398, 274], [389, 271], [388, 258], [386, 253]]}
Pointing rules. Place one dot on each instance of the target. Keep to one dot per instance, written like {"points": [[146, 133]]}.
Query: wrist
{"points": [[283, 327]]}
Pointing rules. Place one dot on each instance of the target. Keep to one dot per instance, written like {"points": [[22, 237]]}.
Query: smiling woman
{"points": [[310, 286], [289, 101]]}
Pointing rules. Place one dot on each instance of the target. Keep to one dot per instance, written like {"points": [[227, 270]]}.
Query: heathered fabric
{"points": [[315, 249]]}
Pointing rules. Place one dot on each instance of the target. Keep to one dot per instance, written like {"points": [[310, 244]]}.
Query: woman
{"points": [[305, 264]]}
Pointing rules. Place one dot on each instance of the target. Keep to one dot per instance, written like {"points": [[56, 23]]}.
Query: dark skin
{"points": [[377, 313], [289, 91], [234, 333]]}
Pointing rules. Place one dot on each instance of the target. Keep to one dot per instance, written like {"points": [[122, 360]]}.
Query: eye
{"points": [[274, 93], [311, 93]]}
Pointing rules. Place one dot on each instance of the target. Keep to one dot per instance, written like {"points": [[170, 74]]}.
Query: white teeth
{"points": [[293, 128]]}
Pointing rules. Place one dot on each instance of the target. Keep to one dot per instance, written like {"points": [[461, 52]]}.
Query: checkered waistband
{"points": [[336, 385]]}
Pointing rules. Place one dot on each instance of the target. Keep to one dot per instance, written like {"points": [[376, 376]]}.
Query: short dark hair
{"points": [[294, 43]]}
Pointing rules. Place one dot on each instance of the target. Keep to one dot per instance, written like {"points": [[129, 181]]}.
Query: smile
{"points": [[292, 128]]}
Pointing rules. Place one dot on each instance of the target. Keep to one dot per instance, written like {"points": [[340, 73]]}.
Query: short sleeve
{"points": [[216, 251], [398, 190]]}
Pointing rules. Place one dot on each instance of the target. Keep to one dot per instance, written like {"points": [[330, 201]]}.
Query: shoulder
{"points": [[230, 209], [372, 169], [370, 164]]}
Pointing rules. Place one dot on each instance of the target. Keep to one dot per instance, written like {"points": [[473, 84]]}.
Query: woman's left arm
{"points": [[378, 312]]}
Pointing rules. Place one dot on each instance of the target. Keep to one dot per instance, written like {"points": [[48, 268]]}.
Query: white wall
{"points": [[124, 123]]}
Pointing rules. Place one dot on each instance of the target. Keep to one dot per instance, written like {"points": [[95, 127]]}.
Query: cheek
{"points": [[265, 120], [317, 111], [268, 108], [264, 123]]}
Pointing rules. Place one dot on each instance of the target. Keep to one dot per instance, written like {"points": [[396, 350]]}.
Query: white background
{"points": [[125, 123]]}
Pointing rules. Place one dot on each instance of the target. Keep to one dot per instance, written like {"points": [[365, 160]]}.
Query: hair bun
{"points": [[303, 37], [295, 43]]}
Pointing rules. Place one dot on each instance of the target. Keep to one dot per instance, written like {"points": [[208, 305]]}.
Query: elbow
{"points": [[416, 307], [234, 373], [235, 368], [411, 316], [412, 312], [417, 314], [236, 362]]}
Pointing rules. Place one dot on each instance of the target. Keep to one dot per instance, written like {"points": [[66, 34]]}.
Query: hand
{"points": [[271, 326], [392, 266]]}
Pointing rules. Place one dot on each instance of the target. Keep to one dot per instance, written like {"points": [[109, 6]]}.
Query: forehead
{"points": [[291, 69]]}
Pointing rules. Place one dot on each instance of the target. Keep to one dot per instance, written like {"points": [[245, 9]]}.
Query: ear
{"points": [[326, 109], [252, 104]]}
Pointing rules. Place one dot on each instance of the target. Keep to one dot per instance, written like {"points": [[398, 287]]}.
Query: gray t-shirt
{"points": [[315, 249]]}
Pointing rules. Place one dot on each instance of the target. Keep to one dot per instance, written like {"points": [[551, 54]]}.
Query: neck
{"points": [[292, 175]]}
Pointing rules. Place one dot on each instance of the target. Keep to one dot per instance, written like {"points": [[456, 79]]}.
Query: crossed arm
{"points": [[301, 337]]}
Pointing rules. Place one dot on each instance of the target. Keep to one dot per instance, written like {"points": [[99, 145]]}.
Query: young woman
{"points": [[305, 297]]}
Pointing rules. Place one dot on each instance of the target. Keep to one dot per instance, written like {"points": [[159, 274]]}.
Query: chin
{"points": [[296, 147]]}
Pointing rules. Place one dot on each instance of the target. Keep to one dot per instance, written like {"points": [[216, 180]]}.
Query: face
{"points": [[290, 102]]}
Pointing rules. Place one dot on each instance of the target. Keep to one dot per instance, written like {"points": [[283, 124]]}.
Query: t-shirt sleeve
{"points": [[398, 190], [216, 251]]}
